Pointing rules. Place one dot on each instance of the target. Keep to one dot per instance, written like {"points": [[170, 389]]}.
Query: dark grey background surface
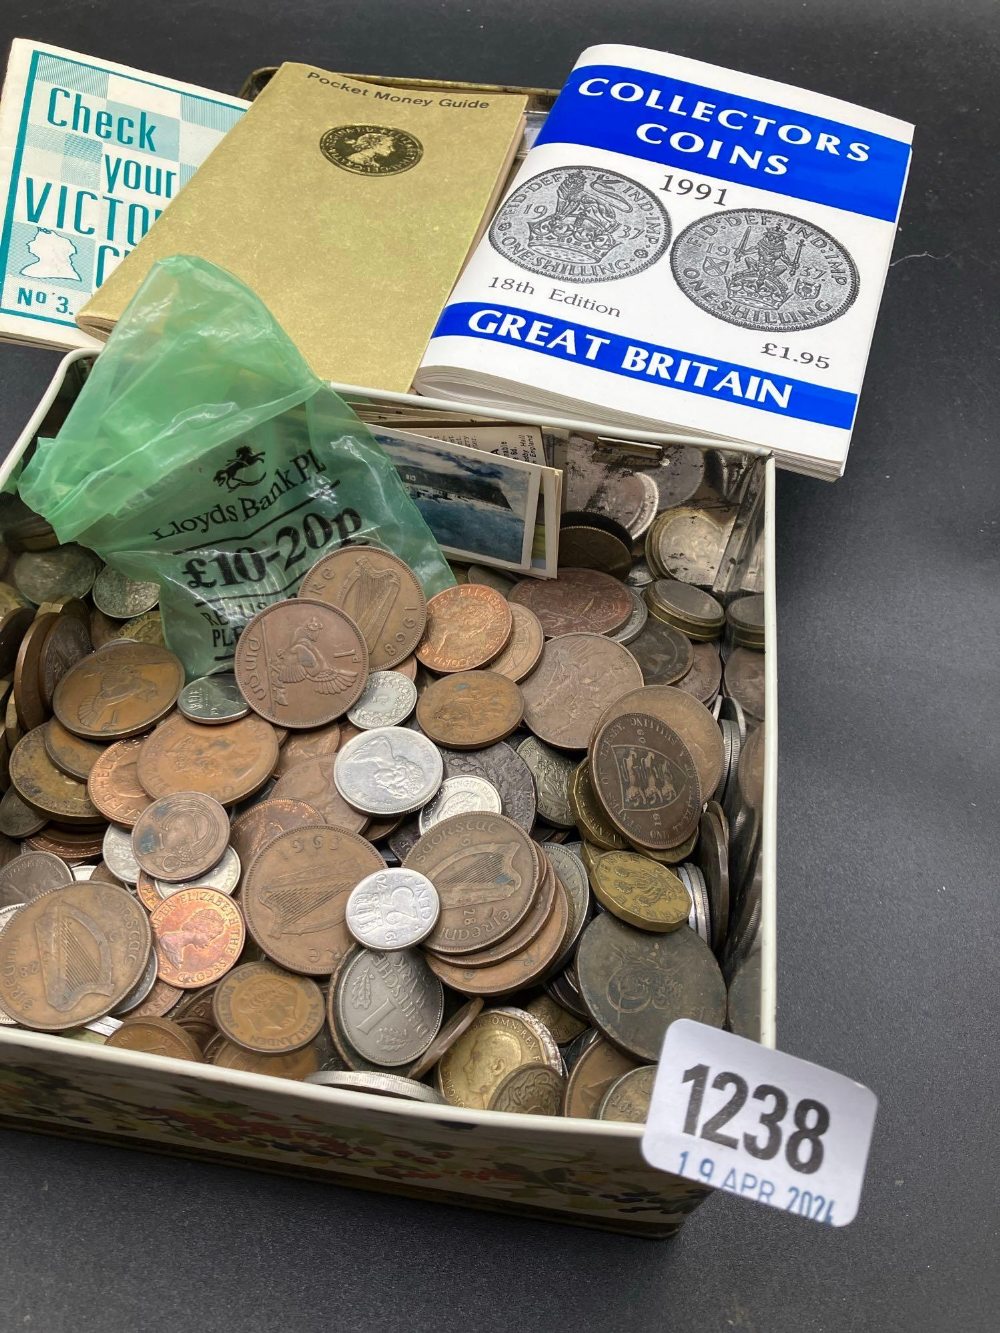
{"points": [[888, 821]]}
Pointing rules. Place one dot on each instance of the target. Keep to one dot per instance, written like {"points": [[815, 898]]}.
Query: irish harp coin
{"points": [[380, 593], [467, 626], [578, 677], [301, 663]]}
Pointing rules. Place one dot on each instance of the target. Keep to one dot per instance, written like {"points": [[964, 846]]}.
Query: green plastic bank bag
{"points": [[204, 454]]}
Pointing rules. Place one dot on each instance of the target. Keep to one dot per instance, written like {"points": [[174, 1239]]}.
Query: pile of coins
{"points": [[481, 849]]}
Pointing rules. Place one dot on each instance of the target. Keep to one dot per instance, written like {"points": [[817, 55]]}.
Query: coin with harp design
{"points": [[381, 595]]}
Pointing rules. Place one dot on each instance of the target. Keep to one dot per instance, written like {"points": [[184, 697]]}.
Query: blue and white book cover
{"points": [[90, 155], [685, 248]]}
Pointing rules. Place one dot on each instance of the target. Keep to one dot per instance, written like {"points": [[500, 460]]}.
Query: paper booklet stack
{"points": [[685, 249]]}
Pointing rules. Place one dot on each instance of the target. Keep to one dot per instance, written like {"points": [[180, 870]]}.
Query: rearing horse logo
{"points": [[244, 459]]}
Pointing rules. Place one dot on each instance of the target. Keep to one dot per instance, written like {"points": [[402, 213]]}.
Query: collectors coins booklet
{"points": [[91, 153], [348, 207], [685, 247]]}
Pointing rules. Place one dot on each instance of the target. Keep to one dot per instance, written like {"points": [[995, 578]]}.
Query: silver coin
{"points": [[5, 915], [102, 1027], [552, 772], [584, 224], [388, 698], [118, 855], [81, 873], [383, 1085], [62, 571], [636, 622], [17, 818], [574, 879], [390, 1005], [213, 699], [679, 475], [640, 575], [388, 771], [504, 769], [392, 909], [403, 839], [122, 598], [763, 270], [142, 988], [224, 876], [463, 795]]}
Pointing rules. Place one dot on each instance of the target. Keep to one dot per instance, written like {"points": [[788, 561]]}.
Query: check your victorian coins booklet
{"points": [[684, 247]]}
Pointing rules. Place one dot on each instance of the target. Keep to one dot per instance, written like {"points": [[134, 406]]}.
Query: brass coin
{"points": [[311, 783], [492, 1046], [686, 715], [635, 984], [119, 691], [669, 856], [69, 957], [744, 678], [67, 642], [645, 780], [705, 676], [542, 907], [180, 836], [486, 871], [303, 745], [380, 593], [66, 571], [521, 655], [113, 783], [154, 1036], [27, 686], [467, 626], [578, 677], [446, 1038], [628, 1097], [664, 654], [597, 1068], [529, 1090], [591, 820], [198, 935], [301, 663], [746, 616], [255, 828], [72, 754], [687, 544], [144, 629], [295, 896], [578, 601], [229, 762], [30, 875], [563, 1025], [640, 892], [687, 608], [47, 788], [296, 1065], [14, 624], [583, 547], [266, 1009], [469, 710]]}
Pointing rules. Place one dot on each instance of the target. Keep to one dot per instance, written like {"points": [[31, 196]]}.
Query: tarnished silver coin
{"points": [[582, 224], [392, 909], [389, 1004], [763, 270], [574, 879], [504, 769], [388, 771], [606, 481], [63, 571], [17, 818], [142, 988], [639, 576], [462, 795], [679, 475], [31, 875], [552, 772], [383, 1085], [628, 1097], [118, 854], [388, 698], [213, 699], [82, 873], [122, 598], [636, 622], [223, 877]]}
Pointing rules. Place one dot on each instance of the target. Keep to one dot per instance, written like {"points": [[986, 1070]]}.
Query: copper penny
{"points": [[30, 875], [296, 1065], [744, 677], [154, 1036], [27, 688], [467, 626], [486, 871], [113, 784], [705, 676], [229, 762], [664, 653], [579, 601], [72, 754], [67, 642], [255, 828], [14, 624], [67, 844], [69, 957], [102, 628], [686, 715], [469, 710], [408, 667], [516, 973], [159, 1002], [198, 935], [147, 892], [266, 1009], [295, 896], [380, 593], [446, 1038], [311, 783], [579, 676], [303, 745], [46, 788], [301, 663], [180, 836], [119, 691], [521, 655], [538, 914], [646, 780], [598, 1067]]}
